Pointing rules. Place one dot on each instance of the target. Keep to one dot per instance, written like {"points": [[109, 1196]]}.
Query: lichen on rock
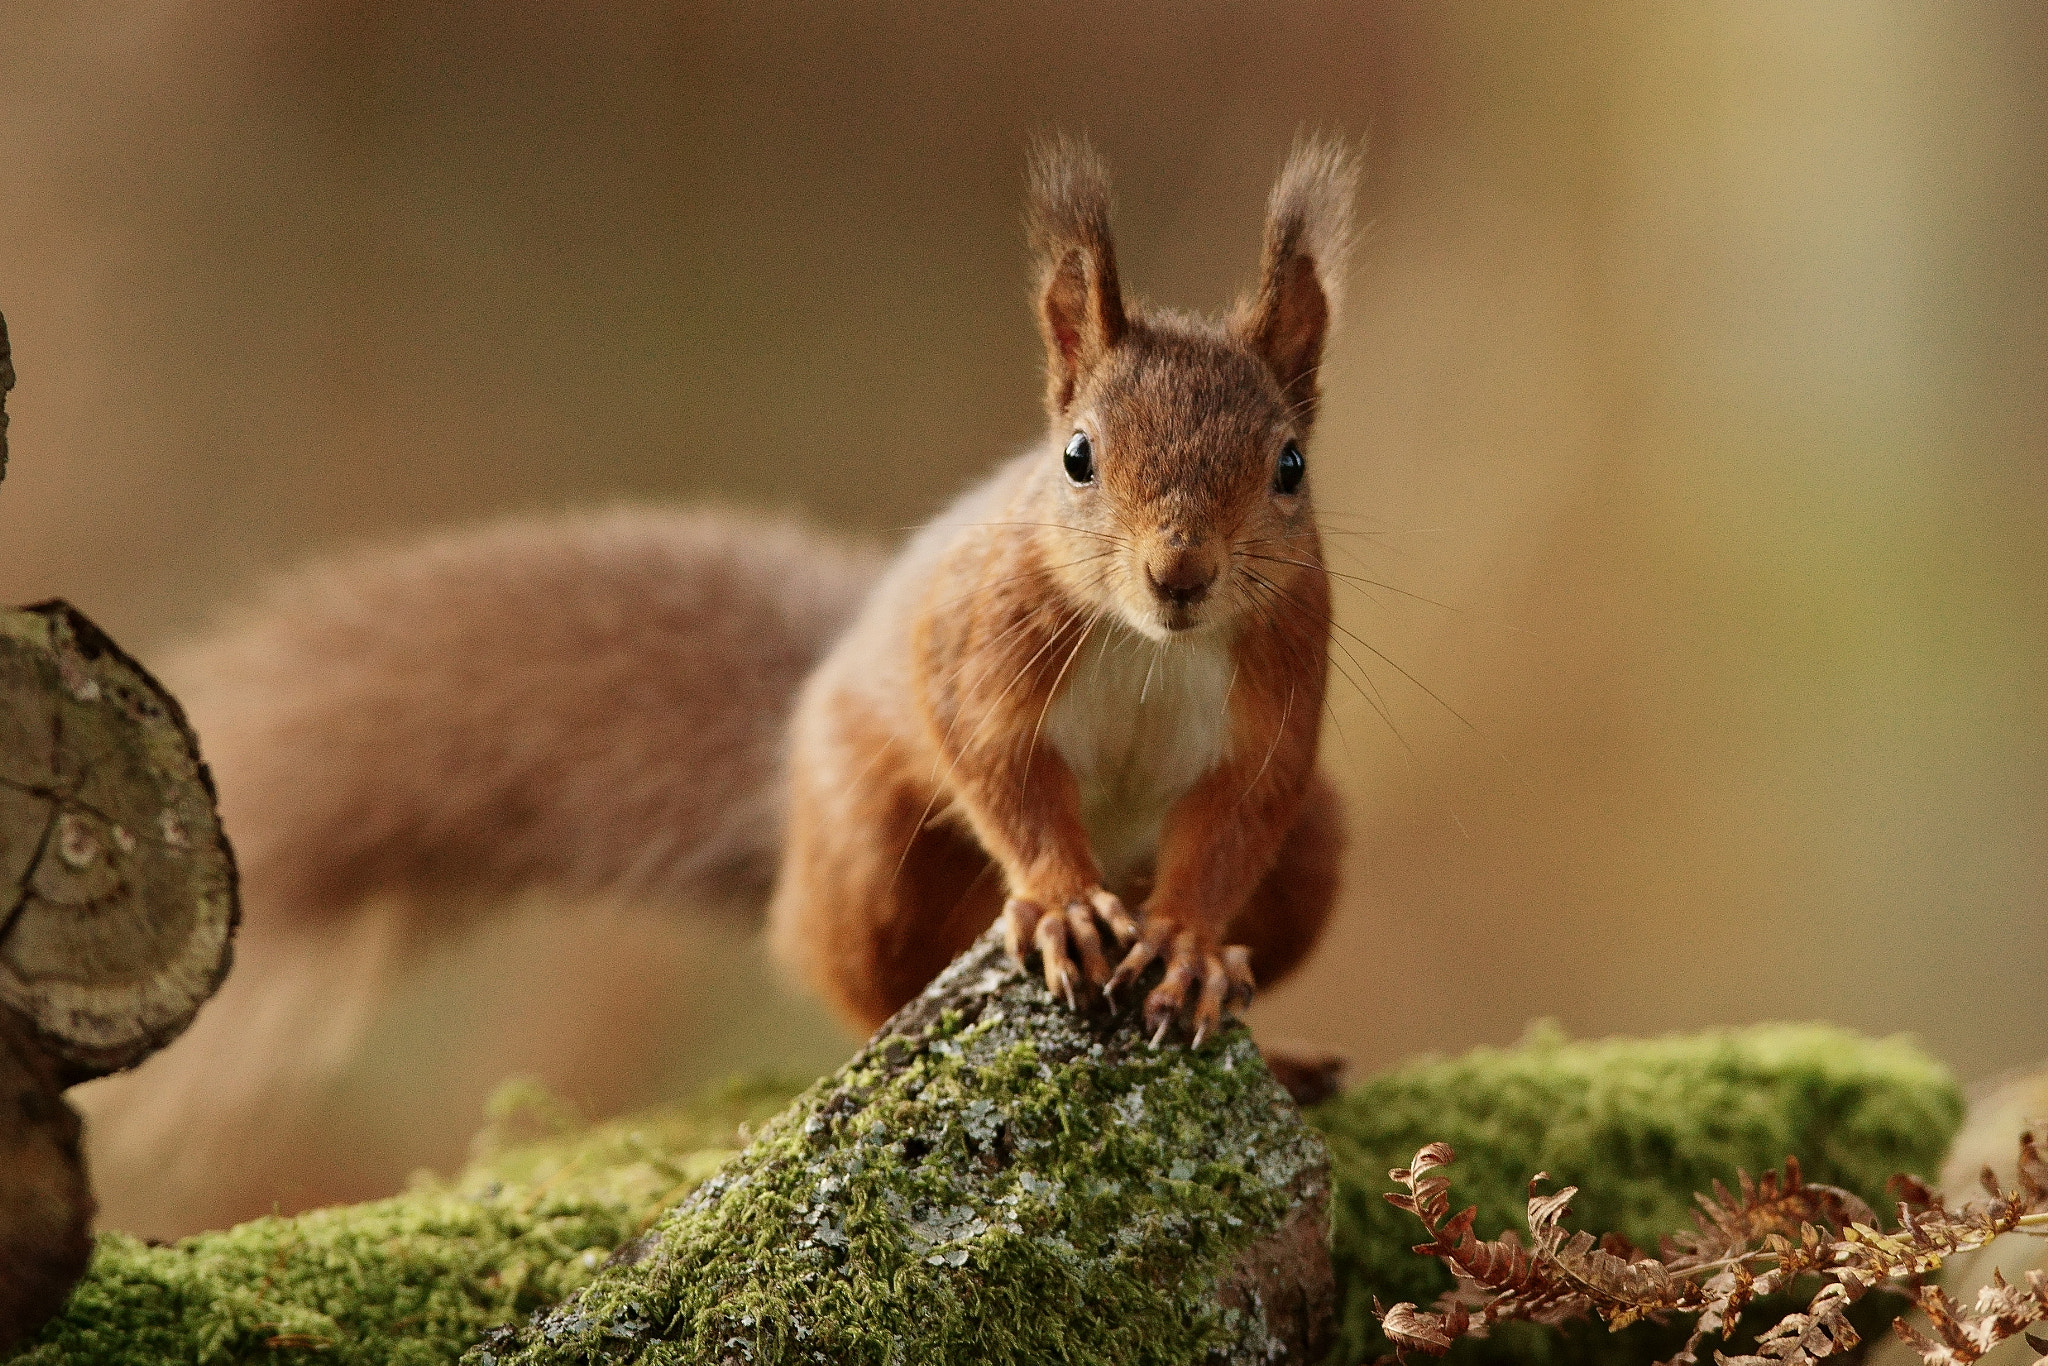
{"points": [[994, 1179]]}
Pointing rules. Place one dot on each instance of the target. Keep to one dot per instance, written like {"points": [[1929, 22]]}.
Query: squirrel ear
{"points": [[1080, 304], [1308, 233]]}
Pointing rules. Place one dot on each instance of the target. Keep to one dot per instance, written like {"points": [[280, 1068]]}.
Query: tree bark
{"points": [[117, 887], [46, 1205], [117, 907]]}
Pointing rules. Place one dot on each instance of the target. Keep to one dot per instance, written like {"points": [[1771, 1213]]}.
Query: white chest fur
{"points": [[1138, 722]]}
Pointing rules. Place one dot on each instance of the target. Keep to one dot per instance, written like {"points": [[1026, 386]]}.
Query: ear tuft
{"points": [[1309, 211], [1081, 306], [1301, 275]]}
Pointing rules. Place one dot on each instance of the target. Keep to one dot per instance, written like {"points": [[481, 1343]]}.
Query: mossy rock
{"points": [[1638, 1125], [996, 1179], [405, 1281]]}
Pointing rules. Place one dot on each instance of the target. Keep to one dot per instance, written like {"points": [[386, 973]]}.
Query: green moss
{"points": [[1052, 1202], [999, 1183], [1637, 1125], [412, 1279]]}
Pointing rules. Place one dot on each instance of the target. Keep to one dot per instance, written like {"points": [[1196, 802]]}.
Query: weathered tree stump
{"points": [[118, 886], [46, 1206], [117, 911], [995, 1178]]}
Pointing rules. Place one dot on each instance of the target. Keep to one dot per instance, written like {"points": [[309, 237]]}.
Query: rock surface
{"points": [[996, 1178]]}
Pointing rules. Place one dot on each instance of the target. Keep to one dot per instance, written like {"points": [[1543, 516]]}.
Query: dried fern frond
{"points": [[1724, 1224], [2002, 1310], [1744, 1245]]}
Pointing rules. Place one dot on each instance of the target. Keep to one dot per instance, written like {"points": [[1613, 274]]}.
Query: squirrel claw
{"points": [[1050, 935], [1060, 937], [1081, 929], [1237, 965], [1136, 960], [1109, 908], [1204, 985], [1020, 920]]}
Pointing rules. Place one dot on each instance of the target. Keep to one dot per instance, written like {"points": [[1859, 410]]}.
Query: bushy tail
{"points": [[591, 705], [584, 708]]}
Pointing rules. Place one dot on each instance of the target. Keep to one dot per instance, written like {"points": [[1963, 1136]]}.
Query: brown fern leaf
{"points": [[1417, 1330], [1743, 1246], [2002, 1310], [1726, 1226], [1622, 1287], [1802, 1339], [1624, 1290], [1726, 1294], [1428, 1196], [1500, 1277], [1497, 1264], [1930, 1235], [1908, 1189]]}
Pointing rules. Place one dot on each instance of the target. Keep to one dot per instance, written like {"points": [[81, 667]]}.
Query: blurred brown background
{"points": [[1694, 357]]}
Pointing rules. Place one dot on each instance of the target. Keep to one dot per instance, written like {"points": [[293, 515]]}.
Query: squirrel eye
{"points": [[1080, 459], [1293, 464]]}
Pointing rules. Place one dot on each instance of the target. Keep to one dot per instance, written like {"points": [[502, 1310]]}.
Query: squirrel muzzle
{"points": [[1181, 578]]}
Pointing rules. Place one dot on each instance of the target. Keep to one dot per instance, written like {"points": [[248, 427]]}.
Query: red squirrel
{"points": [[1085, 698], [1094, 684]]}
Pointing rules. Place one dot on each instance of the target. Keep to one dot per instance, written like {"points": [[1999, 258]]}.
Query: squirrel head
{"points": [[1175, 491]]}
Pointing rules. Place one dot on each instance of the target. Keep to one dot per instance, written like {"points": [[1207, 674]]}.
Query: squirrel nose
{"points": [[1182, 579]]}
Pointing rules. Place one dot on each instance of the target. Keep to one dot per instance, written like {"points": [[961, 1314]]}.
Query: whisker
{"points": [[1055, 526], [1363, 583], [1324, 514], [938, 784], [1289, 641], [1272, 749], [1053, 692], [1394, 664], [1373, 700], [985, 654], [1032, 572], [1355, 579]]}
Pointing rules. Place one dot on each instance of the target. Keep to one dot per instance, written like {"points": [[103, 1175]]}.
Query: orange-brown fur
{"points": [[925, 787], [549, 702]]}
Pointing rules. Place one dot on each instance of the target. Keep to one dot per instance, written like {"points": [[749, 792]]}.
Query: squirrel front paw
{"points": [[1061, 935], [1203, 979]]}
